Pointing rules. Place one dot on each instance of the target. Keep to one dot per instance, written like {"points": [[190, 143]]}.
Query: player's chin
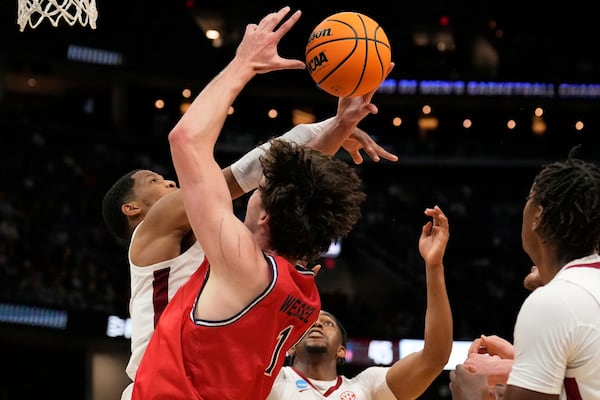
{"points": [[316, 348]]}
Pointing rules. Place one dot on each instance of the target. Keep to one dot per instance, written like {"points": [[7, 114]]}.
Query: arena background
{"points": [[78, 109]]}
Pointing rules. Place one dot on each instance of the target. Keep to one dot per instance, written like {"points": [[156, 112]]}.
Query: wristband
{"points": [[247, 171]]}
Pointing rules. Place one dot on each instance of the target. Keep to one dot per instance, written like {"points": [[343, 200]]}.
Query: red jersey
{"points": [[233, 359]]}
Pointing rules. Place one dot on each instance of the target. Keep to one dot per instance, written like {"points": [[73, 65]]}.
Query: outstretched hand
{"points": [[355, 109], [493, 345], [361, 140], [352, 110], [258, 47], [434, 237]]}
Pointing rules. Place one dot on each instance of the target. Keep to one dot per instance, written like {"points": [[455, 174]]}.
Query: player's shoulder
{"points": [[371, 382], [371, 373], [556, 297], [166, 202]]}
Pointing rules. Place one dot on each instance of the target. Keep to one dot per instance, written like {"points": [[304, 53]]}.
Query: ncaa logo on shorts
{"points": [[301, 384], [348, 396]]}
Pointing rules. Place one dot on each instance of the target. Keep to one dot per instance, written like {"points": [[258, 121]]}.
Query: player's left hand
{"points": [[434, 237], [495, 368], [465, 385], [352, 110], [258, 48], [361, 140]]}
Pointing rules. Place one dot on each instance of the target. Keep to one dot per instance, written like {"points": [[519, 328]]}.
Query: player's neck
{"points": [[322, 370]]}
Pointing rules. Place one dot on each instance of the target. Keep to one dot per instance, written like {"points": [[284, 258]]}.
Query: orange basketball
{"points": [[348, 54]]}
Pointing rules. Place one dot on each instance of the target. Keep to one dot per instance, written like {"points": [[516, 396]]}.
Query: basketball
{"points": [[348, 54]]}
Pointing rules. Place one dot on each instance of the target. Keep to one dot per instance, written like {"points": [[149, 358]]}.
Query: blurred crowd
{"points": [[55, 250]]}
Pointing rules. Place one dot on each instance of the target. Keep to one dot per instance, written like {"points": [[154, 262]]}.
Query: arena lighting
{"points": [[92, 55], [184, 106], [33, 316], [118, 327], [538, 125], [334, 250], [490, 89], [368, 352], [302, 117], [458, 354], [428, 123], [570, 90]]}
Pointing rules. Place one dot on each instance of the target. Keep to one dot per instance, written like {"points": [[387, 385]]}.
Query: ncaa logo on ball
{"points": [[321, 58], [317, 61], [348, 54]]}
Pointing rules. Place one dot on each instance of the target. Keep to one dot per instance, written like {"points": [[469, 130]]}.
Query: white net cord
{"points": [[33, 12]]}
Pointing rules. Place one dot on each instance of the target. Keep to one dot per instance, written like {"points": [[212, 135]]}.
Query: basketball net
{"points": [[33, 12]]}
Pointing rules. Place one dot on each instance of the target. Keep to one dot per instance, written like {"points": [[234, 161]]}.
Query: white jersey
{"points": [[152, 287], [370, 384], [557, 334]]}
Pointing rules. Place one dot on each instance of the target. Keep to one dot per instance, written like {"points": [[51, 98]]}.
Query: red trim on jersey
{"points": [[160, 292], [329, 391], [592, 265], [572, 389]]}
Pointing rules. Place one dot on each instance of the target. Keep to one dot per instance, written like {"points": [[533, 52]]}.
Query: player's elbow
{"points": [[178, 135], [436, 359]]}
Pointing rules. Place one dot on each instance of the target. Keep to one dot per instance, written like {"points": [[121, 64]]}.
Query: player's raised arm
{"points": [[205, 194], [409, 377]]}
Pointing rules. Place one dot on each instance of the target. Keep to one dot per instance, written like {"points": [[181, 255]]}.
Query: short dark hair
{"points": [[341, 328], [569, 192], [118, 194], [289, 359], [312, 199]]}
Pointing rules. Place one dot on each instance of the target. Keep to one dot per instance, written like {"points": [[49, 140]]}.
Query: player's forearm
{"points": [[332, 135], [247, 171], [438, 318], [192, 142]]}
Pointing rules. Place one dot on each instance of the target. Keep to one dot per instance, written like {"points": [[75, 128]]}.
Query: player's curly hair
{"points": [[569, 192], [312, 199]]}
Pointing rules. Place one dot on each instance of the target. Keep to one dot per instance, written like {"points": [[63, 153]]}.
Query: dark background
{"points": [[64, 140]]}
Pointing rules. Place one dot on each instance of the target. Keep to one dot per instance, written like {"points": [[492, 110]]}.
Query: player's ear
{"points": [[130, 209], [289, 357], [341, 353], [264, 216], [264, 219], [537, 217], [316, 269]]}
